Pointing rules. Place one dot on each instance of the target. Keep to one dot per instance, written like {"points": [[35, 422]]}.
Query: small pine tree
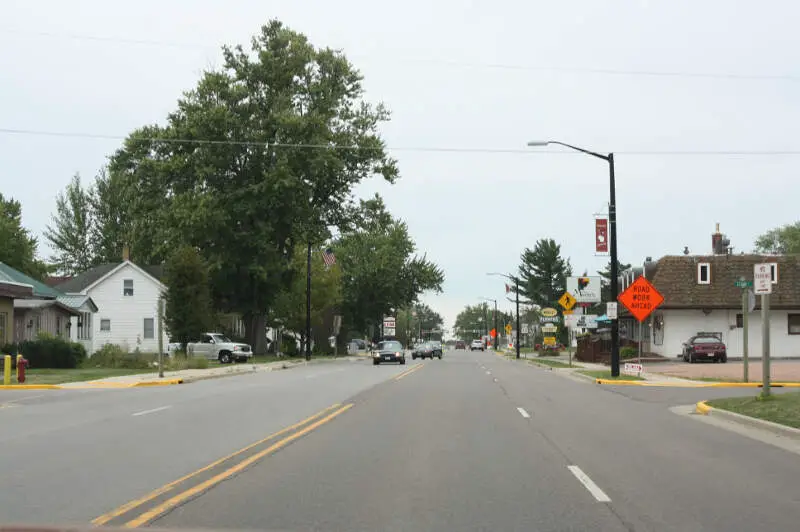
{"points": [[188, 312]]}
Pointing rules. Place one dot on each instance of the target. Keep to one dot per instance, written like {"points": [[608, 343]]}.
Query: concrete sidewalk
{"points": [[191, 375]]}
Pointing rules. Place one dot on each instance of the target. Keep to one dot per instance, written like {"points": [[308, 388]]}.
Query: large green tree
{"points": [[543, 273], [262, 156], [70, 232], [472, 321], [18, 248], [381, 273], [415, 318], [784, 240], [188, 313]]}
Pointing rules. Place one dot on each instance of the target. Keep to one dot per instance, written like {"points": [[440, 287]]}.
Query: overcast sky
{"points": [[458, 74]]}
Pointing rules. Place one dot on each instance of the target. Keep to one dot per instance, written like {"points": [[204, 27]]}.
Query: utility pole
{"points": [[745, 339], [516, 290], [160, 337], [308, 303], [496, 333], [765, 345]]}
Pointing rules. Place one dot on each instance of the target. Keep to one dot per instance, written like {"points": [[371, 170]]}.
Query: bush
{"points": [[628, 352], [113, 356], [48, 352]]}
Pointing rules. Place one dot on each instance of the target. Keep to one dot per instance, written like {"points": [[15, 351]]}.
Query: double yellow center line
{"points": [[139, 518], [408, 372]]}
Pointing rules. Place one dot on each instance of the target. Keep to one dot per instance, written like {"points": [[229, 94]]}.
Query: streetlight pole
{"points": [[612, 235], [496, 334], [516, 300]]}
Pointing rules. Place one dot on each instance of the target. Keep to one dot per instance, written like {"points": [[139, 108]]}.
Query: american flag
{"points": [[329, 257], [508, 289]]}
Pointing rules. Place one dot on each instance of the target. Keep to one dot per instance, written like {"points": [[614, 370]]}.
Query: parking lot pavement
{"points": [[780, 370]]}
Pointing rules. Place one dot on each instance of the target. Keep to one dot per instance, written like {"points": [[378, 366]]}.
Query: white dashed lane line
{"points": [[589, 484], [523, 412]]}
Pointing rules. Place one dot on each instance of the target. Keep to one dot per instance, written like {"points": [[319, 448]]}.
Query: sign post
{"points": [[641, 298], [745, 285], [762, 285]]}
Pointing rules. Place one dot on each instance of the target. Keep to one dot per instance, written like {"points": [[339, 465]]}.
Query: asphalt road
{"points": [[471, 442]]}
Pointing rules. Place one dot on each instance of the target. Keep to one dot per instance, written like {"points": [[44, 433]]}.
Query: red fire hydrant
{"points": [[22, 363]]}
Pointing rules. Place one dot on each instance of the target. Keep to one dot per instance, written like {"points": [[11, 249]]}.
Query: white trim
{"points": [[118, 268], [708, 272]]}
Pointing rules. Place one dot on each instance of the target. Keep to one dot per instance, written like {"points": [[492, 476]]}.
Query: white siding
{"points": [[679, 325], [127, 313]]}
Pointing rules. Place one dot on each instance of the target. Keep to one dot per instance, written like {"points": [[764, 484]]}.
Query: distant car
{"points": [[476, 345], [460, 344], [217, 346], [704, 347], [427, 350], [388, 351]]}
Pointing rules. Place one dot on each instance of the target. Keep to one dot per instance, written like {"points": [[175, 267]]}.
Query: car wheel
{"points": [[224, 358], [402, 361], [724, 359], [440, 357], [691, 358], [375, 362], [413, 357]]}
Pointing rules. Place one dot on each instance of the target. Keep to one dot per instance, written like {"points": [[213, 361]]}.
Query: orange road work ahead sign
{"points": [[641, 298], [493, 333]]}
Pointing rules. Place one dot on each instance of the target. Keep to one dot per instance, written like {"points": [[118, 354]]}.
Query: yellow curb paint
{"points": [[31, 387]]}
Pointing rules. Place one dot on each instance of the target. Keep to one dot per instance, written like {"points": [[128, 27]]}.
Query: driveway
{"points": [[781, 370]]}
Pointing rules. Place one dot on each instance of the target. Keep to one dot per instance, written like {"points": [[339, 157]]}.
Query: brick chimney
{"points": [[716, 242], [126, 253]]}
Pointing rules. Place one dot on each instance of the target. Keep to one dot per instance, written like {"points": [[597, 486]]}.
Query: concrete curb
{"points": [[705, 409], [167, 382], [30, 387], [697, 384]]}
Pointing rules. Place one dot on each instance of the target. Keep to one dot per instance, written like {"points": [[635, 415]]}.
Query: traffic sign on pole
{"points": [[567, 301], [641, 298], [762, 279]]}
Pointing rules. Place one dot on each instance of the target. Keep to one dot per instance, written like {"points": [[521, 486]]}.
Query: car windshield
{"points": [[390, 346], [222, 339]]}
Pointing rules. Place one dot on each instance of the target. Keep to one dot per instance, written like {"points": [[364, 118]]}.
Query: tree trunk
{"points": [[255, 330]]}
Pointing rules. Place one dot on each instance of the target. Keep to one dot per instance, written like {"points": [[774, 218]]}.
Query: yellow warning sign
{"points": [[567, 301]]}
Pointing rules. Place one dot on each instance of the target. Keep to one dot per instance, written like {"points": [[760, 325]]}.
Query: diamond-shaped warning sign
{"points": [[567, 301], [641, 298]]}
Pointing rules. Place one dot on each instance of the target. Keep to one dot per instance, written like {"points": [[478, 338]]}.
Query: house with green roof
{"points": [[29, 307]]}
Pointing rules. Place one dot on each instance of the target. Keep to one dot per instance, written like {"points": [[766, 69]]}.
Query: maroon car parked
{"points": [[704, 347]]}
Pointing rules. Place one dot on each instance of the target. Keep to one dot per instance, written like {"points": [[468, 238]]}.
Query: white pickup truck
{"points": [[217, 346]]}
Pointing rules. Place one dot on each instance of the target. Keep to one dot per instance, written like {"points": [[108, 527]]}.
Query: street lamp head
{"points": [[538, 143]]}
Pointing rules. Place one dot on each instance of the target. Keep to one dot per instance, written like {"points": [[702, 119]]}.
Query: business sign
{"points": [[601, 235], [632, 369], [549, 328], [549, 340], [585, 289], [548, 315], [389, 326], [586, 321], [641, 298], [762, 279]]}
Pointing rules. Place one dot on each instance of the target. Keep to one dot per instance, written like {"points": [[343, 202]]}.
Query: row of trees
{"points": [[256, 163]]}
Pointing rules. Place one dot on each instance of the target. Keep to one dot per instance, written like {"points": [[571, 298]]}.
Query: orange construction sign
{"points": [[493, 333], [641, 298]]}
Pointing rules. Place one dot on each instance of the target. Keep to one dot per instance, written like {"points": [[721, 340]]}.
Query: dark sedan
{"points": [[388, 351], [704, 347]]}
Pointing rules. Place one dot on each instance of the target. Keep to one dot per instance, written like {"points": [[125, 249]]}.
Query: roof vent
{"points": [[685, 250]]}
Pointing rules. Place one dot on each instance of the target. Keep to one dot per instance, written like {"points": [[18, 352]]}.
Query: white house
{"points": [[127, 296], [700, 295]]}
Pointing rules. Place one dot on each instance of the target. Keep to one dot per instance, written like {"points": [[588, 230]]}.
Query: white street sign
{"points": [[524, 328], [632, 369], [587, 321], [585, 289], [611, 310], [762, 279]]}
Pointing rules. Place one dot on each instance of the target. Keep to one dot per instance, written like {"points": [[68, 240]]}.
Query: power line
{"points": [[441, 62], [437, 149]]}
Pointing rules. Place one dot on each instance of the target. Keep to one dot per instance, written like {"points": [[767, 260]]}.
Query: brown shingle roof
{"points": [[676, 278]]}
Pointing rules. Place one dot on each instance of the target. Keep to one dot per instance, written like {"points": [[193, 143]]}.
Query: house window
{"points": [[105, 325], [127, 287], [85, 326], [794, 323], [740, 321], [773, 272], [149, 328], [704, 273]]}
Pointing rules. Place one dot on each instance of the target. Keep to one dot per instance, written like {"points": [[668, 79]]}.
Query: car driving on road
{"points": [[427, 350], [388, 351], [461, 344], [476, 345]]}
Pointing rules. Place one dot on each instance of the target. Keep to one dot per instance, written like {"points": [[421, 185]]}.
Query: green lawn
{"points": [[554, 363], [606, 374], [57, 376], [783, 408]]}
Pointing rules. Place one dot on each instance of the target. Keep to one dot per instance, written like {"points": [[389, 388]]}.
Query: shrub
{"points": [[628, 352], [48, 352], [113, 356], [180, 361]]}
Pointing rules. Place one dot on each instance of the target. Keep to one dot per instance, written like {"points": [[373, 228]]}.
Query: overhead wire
{"points": [[439, 149]]}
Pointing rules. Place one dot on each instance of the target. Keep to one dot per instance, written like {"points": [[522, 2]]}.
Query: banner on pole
{"points": [[601, 235]]}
